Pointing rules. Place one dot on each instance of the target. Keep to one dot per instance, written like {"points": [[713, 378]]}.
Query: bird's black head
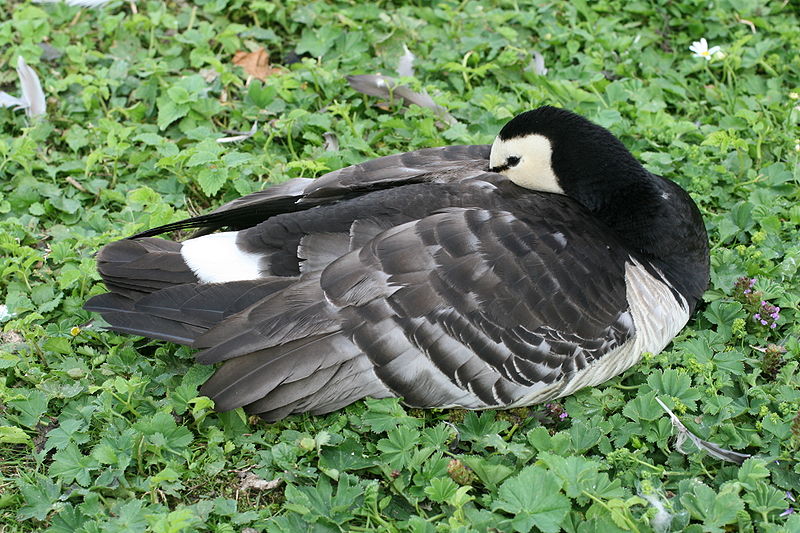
{"points": [[555, 150]]}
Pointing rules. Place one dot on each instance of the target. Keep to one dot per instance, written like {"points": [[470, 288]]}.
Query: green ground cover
{"points": [[102, 432]]}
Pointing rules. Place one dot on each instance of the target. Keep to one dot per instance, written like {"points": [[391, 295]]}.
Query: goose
{"points": [[478, 277]]}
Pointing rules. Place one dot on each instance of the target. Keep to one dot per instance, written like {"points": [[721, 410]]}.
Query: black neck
{"points": [[660, 221]]}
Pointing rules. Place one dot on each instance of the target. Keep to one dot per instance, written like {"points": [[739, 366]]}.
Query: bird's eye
{"points": [[512, 161]]}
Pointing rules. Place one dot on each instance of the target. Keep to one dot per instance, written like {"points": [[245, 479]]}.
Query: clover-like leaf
{"points": [[534, 498]]}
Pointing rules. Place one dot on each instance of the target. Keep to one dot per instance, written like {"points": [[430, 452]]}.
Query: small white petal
{"points": [[699, 47]]}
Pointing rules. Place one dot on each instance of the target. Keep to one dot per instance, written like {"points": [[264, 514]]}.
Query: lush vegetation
{"points": [[103, 432]]}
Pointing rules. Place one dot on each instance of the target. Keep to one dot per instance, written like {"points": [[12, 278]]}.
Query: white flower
{"points": [[700, 49]]}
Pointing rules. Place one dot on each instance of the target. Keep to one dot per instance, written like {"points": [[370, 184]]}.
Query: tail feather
{"points": [[181, 314], [120, 313], [208, 304], [137, 267]]}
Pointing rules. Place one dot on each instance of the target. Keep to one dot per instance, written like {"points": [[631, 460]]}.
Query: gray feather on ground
{"points": [[387, 87], [75, 3], [712, 449]]}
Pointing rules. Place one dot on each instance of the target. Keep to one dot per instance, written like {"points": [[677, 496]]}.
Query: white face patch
{"points": [[216, 258], [534, 170]]}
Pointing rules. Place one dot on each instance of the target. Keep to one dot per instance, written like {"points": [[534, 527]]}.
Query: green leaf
{"points": [[348, 455], [13, 435], [489, 471], [723, 314], [162, 431], [714, 509], [399, 447], [31, 408], [676, 384], [752, 471], [386, 414], [541, 439], [581, 475], [39, 497], [477, 426], [71, 465], [211, 179], [317, 41], [169, 112], [321, 504], [764, 499], [235, 159], [179, 95], [70, 430], [204, 153], [643, 407], [584, 436], [67, 520], [534, 498], [441, 489]]}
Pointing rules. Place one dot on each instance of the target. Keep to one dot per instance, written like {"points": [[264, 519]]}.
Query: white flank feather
{"points": [[216, 258]]}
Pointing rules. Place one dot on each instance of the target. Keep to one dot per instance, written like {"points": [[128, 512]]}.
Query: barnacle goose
{"points": [[462, 276]]}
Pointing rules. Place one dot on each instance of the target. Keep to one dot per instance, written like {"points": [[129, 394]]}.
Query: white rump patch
{"points": [[216, 258]]}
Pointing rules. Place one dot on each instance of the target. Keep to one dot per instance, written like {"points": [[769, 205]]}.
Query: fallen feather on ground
{"points": [[32, 98], [250, 481], [387, 87], [331, 141], [405, 67], [709, 447], [538, 63], [75, 3], [240, 135]]}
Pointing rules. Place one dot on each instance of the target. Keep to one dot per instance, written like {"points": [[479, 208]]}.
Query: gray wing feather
{"points": [[446, 163], [447, 311]]}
